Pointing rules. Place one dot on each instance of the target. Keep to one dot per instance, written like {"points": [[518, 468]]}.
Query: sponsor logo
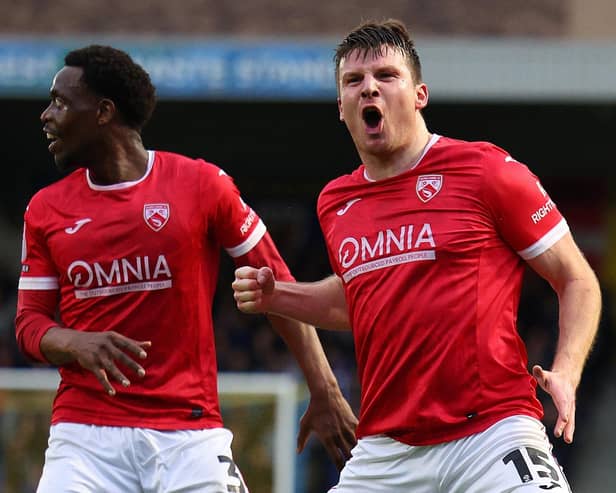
{"points": [[386, 248], [78, 225], [156, 215], [428, 186], [245, 227], [119, 276], [543, 211], [348, 205]]}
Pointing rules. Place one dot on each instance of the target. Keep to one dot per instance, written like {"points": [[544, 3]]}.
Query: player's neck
{"points": [[381, 166], [122, 158]]}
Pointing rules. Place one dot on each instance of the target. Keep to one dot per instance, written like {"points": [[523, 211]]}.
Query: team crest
{"points": [[156, 215], [428, 186]]}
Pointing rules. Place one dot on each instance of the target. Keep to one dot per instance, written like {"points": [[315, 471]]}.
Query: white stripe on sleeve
{"points": [[43, 283], [551, 237], [250, 242]]}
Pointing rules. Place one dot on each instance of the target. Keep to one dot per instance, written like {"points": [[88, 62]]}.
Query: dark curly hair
{"points": [[371, 38], [112, 74]]}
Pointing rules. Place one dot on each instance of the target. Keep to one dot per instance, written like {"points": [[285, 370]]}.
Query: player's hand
{"points": [[332, 420], [100, 351], [252, 288], [562, 391]]}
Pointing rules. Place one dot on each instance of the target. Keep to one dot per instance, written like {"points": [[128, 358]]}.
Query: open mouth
{"points": [[52, 139], [372, 117]]}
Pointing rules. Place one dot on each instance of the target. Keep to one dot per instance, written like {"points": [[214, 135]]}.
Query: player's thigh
{"points": [[381, 464], [201, 462], [85, 459]]}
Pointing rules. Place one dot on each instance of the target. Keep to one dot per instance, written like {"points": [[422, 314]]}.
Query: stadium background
{"points": [[283, 144]]}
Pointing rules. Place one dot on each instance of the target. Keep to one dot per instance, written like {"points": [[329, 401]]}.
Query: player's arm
{"points": [[536, 230], [328, 414], [41, 338], [321, 303], [245, 238], [579, 296]]}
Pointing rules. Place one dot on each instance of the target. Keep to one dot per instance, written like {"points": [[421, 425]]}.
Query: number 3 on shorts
{"points": [[234, 473], [531, 463]]}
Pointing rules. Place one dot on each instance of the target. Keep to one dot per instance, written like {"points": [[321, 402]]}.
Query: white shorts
{"points": [[512, 456], [106, 459]]}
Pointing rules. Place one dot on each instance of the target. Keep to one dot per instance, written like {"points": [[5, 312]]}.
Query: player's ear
{"points": [[340, 112], [421, 96], [106, 111]]}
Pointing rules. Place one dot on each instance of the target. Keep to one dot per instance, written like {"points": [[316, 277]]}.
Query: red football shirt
{"points": [[140, 258], [431, 262]]}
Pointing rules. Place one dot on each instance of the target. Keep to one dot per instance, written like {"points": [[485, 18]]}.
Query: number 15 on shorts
{"points": [[533, 465]]}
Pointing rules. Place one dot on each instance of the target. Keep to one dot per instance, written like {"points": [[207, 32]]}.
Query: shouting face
{"points": [[379, 100]]}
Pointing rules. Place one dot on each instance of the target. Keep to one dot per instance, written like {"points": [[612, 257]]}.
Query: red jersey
{"points": [[431, 262], [140, 258]]}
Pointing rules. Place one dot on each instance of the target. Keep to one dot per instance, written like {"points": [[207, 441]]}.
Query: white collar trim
{"points": [[124, 184], [430, 143]]}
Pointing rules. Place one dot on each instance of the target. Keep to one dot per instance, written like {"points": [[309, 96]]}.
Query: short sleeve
{"points": [[237, 226], [37, 269], [525, 215]]}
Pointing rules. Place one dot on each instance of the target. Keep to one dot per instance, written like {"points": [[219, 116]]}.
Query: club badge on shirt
{"points": [[156, 215], [428, 186]]}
